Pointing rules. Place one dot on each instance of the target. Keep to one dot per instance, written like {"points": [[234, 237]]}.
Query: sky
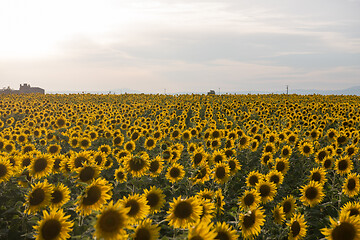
{"points": [[180, 45]]}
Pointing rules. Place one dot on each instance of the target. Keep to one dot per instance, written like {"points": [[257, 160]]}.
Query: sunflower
{"points": [[201, 231], [225, 232], [312, 193], [138, 208], [77, 160], [266, 158], [155, 166], [286, 151], [328, 163], [297, 227], [351, 186], [186, 135], [175, 173], [266, 190], [206, 194], [202, 174], [58, 159], [347, 227], [41, 166], [118, 140], [343, 165], [351, 150], [253, 178], [288, 205], [150, 143], [155, 199], [74, 142], [54, 149], [234, 165], [320, 155], [146, 230], [99, 158], [251, 222], [60, 195], [221, 173], [318, 175], [218, 156], [281, 165], [219, 201], [208, 210], [39, 197], [306, 149], [249, 200], [351, 208], [129, 146], [254, 144], [87, 172], [136, 165], [278, 214], [198, 157], [120, 175], [85, 142], [106, 149], [112, 222], [184, 213], [275, 177], [269, 148], [54, 225], [28, 148], [6, 170], [94, 197], [244, 142]]}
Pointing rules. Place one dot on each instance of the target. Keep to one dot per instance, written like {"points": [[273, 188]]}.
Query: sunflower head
{"points": [[184, 213]]}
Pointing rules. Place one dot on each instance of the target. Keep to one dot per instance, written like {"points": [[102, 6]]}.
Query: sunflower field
{"points": [[199, 167]]}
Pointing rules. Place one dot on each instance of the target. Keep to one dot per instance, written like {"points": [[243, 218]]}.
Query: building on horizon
{"points": [[24, 88]]}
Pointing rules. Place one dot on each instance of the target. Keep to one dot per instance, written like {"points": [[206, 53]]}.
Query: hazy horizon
{"points": [[179, 45]]}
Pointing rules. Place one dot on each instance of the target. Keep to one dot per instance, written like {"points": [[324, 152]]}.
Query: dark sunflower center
{"points": [[142, 234], [222, 236], [183, 210], [84, 142], [285, 152], [174, 172], [321, 155], [78, 162], [350, 151], [129, 147], [117, 140], [253, 180], [93, 195], [152, 199], [98, 159], [249, 199], [120, 175], [134, 207], [345, 231], [343, 164], [198, 158], [154, 166], [57, 196], [202, 173], [295, 228], [280, 166], [37, 197], [265, 190], [150, 143], [232, 165], [3, 170], [40, 164], [327, 163], [51, 229], [275, 179], [214, 143], [86, 174], [57, 163], [287, 207], [316, 176], [27, 149], [351, 184], [220, 172], [110, 221], [186, 135], [249, 220], [306, 149], [266, 158], [311, 193], [53, 149], [136, 164], [218, 158], [242, 141]]}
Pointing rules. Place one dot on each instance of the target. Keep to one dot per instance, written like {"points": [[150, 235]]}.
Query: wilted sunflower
{"points": [[278, 214], [312, 193], [184, 213], [318, 175], [288, 205], [146, 230], [251, 222], [41, 166], [94, 197], [225, 232], [120, 175], [351, 208], [343, 165], [136, 165], [249, 200], [202, 231], [155, 199], [275, 177], [138, 208], [39, 197], [6, 170], [112, 222], [253, 178], [54, 225], [297, 227], [351, 186], [60, 195], [175, 173], [266, 190], [346, 228]]}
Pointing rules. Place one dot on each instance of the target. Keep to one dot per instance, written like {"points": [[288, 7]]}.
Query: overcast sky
{"points": [[180, 45]]}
